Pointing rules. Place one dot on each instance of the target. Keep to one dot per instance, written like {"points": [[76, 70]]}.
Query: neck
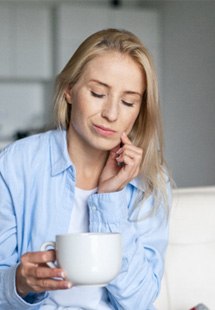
{"points": [[88, 162]]}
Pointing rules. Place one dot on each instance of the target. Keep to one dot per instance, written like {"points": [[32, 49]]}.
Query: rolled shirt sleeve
{"points": [[9, 299]]}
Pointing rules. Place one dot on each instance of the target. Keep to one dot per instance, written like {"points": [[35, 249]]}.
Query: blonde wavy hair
{"points": [[147, 131]]}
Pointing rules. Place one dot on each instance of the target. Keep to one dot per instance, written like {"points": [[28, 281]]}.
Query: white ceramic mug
{"points": [[87, 258]]}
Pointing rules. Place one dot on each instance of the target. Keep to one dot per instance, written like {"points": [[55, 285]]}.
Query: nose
{"points": [[110, 110]]}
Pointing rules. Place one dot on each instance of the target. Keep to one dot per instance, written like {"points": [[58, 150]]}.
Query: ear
{"points": [[68, 94]]}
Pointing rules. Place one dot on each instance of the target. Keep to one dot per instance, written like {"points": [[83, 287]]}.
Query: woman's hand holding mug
{"points": [[33, 274], [82, 265]]}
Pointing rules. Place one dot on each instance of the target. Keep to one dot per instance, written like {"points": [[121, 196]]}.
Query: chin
{"points": [[107, 146]]}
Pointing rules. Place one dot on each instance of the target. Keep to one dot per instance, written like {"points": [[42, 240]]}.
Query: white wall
{"points": [[189, 90], [25, 66]]}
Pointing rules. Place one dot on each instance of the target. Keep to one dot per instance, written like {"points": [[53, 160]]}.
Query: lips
{"points": [[104, 131]]}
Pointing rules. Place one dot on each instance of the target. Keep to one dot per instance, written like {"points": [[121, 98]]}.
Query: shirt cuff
{"points": [[108, 207]]}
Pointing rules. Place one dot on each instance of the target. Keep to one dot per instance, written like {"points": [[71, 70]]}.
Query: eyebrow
{"points": [[130, 92]]}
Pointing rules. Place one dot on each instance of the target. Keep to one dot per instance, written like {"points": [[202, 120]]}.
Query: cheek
{"points": [[78, 108], [77, 117], [129, 123]]}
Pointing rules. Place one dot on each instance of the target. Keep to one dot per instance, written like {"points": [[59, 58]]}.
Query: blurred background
{"points": [[37, 38]]}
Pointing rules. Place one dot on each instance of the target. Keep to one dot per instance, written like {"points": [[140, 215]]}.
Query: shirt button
{"points": [[94, 208]]}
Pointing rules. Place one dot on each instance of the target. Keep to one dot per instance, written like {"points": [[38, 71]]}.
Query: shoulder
{"points": [[25, 152], [26, 145]]}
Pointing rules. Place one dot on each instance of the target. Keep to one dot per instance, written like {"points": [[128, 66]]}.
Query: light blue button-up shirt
{"points": [[37, 182]]}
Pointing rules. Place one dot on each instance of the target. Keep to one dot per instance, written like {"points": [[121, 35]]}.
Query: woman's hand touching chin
{"points": [[123, 165]]}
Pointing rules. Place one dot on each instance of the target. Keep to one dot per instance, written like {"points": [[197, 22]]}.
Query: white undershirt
{"points": [[79, 298], [79, 218]]}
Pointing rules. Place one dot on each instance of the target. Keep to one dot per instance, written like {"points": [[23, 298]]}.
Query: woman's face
{"points": [[106, 100]]}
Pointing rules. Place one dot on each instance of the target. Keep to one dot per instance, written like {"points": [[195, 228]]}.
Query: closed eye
{"points": [[128, 104], [97, 95]]}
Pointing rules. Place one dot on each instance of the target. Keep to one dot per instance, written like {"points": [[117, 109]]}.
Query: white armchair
{"points": [[189, 277]]}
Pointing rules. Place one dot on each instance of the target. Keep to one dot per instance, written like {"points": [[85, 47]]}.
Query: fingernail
{"points": [[62, 274], [69, 285], [119, 151]]}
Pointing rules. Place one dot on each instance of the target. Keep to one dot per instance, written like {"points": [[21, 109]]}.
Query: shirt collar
{"points": [[60, 159], [138, 183]]}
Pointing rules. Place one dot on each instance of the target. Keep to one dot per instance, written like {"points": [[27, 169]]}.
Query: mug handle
{"points": [[45, 247]]}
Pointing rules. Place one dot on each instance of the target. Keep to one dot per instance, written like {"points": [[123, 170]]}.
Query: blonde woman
{"points": [[101, 170]]}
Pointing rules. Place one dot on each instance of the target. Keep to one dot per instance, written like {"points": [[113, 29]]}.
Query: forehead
{"points": [[114, 66], [111, 57]]}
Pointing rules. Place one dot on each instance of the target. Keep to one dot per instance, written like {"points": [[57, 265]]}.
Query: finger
{"points": [[39, 257], [127, 173], [128, 161], [111, 160], [48, 284], [45, 272], [132, 154], [133, 148], [125, 138], [131, 164], [130, 147], [113, 153]]}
